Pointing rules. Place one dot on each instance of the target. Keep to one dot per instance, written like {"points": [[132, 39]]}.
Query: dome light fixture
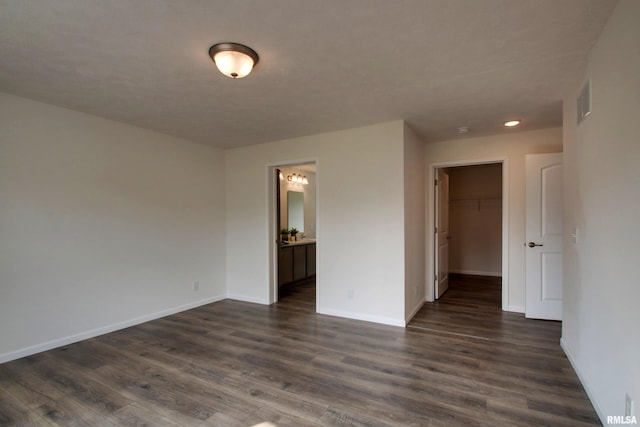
{"points": [[233, 59], [512, 123]]}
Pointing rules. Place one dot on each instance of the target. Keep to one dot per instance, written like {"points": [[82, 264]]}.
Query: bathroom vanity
{"points": [[296, 261]]}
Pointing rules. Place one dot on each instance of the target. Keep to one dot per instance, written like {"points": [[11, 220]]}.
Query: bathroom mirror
{"points": [[295, 210]]}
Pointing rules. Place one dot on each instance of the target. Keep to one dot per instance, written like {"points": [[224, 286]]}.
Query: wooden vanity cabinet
{"points": [[285, 263], [299, 262], [296, 262], [311, 260]]}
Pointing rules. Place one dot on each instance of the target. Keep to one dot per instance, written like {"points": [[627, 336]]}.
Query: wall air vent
{"points": [[584, 102]]}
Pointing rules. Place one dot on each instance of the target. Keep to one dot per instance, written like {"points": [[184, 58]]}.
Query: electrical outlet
{"points": [[196, 286], [350, 294], [628, 406]]}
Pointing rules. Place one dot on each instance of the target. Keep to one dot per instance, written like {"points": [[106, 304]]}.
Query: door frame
{"points": [[431, 206], [273, 228]]}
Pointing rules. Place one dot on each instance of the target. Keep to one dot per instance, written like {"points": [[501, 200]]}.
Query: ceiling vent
{"points": [[584, 102]]}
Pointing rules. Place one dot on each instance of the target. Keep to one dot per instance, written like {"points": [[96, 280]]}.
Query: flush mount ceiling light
{"points": [[512, 123], [233, 59]]}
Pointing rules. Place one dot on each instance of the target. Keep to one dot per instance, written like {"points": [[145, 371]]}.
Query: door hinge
{"points": [[435, 229], [436, 182], [435, 278]]}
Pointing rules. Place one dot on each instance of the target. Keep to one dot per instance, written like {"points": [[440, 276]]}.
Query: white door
{"points": [[544, 236], [442, 233]]}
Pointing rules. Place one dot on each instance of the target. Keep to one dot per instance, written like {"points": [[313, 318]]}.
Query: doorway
{"points": [[469, 224], [295, 233]]}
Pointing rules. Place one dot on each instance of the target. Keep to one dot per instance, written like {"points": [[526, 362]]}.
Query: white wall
{"points": [[512, 147], [601, 313], [102, 225], [360, 212], [414, 223], [475, 219]]}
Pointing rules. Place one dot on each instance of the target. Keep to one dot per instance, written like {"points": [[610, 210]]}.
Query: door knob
{"points": [[533, 245]]}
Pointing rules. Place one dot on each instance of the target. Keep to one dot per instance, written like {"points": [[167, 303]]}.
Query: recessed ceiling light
{"points": [[512, 123]]}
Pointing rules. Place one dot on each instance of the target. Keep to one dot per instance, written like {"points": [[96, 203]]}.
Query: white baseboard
{"points": [[28, 351], [362, 316], [516, 308], [477, 273], [245, 298], [587, 389], [414, 312]]}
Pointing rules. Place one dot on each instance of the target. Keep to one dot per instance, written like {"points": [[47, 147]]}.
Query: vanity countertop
{"points": [[299, 242]]}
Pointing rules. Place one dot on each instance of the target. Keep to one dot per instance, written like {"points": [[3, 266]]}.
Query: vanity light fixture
{"points": [[233, 59], [512, 123], [297, 179]]}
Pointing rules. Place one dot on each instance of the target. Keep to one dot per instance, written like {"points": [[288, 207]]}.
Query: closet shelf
{"points": [[475, 199]]}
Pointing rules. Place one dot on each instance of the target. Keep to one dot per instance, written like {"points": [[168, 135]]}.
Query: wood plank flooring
{"points": [[461, 362]]}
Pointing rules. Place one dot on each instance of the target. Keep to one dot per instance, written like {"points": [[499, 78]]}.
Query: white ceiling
{"points": [[324, 65]]}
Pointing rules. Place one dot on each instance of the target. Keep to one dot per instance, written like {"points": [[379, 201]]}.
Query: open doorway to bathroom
{"points": [[295, 228]]}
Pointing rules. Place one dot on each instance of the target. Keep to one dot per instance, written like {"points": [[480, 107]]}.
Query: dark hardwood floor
{"points": [[461, 362]]}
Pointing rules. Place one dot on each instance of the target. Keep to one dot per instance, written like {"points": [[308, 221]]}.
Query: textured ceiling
{"points": [[324, 65]]}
